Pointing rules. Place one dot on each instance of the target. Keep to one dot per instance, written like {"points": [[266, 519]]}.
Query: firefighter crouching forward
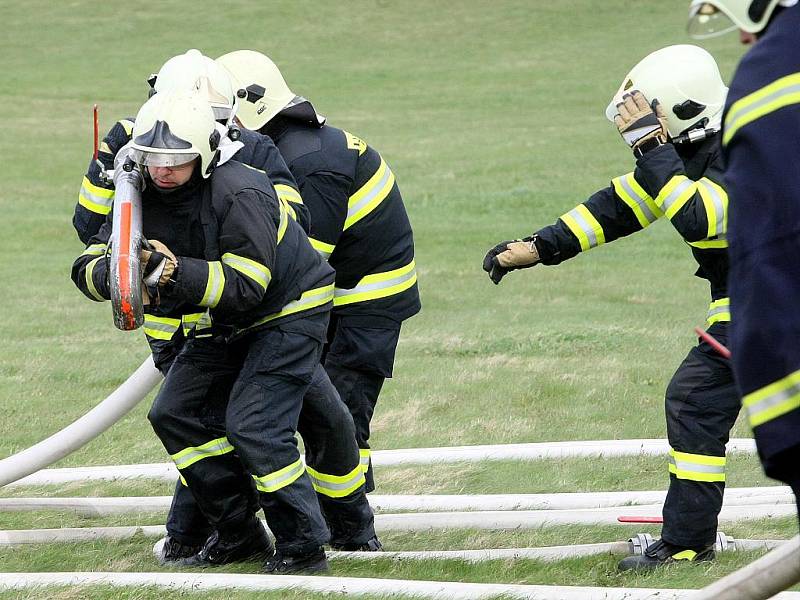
{"points": [[761, 143], [325, 424], [227, 246], [678, 174], [358, 222]]}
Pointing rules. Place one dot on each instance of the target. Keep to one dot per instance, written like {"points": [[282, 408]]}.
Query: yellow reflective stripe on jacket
{"points": [[248, 267], [715, 201], [95, 250], [288, 193], [675, 194], [718, 311], [197, 322], [355, 143], [214, 286], [160, 328], [696, 467], [289, 209], [639, 201], [584, 226], [95, 198], [778, 94], [324, 250], [284, 222], [773, 401], [189, 456], [369, 195], [364, 455], [720, 242], [378, 285], [90, 281], [337, 486], [127, 125], [272, 482], [308, 300]]}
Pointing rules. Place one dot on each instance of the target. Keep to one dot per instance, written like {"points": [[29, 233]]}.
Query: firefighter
{"points": [[761, 146], [223, 244], [96, 195], [359, 223], [325, 424], [668, 111]]}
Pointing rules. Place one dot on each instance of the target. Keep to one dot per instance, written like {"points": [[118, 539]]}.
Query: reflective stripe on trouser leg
{"points": [[333, 462], [262, 420], [702, 403], [336, 486], [202, 375], [696, 467]]}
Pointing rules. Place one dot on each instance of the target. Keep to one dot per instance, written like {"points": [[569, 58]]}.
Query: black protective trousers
{"points": [[359, 357], [269, 372], [329, 437], [702, 403]]}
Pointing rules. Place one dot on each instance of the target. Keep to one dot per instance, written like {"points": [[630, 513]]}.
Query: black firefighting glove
{"points": [[642, 125], [510, 255]]}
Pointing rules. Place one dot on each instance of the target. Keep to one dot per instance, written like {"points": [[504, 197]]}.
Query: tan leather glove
{"points": [[159, 264], [643, 126], [507, 256], [145, 296], [518, 254]]}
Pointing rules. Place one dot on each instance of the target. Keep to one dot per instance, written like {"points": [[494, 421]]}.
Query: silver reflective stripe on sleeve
{"points": [[774, 400], [214, 285], [675, 194]]}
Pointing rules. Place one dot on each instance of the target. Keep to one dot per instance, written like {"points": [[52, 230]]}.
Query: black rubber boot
{"points": [[282, 564], [663, 553], [222, 549], [371, 545], [174, 552]]}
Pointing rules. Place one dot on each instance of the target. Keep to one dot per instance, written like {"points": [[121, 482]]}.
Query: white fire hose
{"points": [[85, 429]]}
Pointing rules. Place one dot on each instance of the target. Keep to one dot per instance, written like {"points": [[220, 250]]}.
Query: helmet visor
{"points": [[222, 113], [162, 159], [706, 21]]}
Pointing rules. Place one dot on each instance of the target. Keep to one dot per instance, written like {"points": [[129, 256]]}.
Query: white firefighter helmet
{"points": [[195, 71], [261, 88], [686, 82], [175, 127], [715, 17]]}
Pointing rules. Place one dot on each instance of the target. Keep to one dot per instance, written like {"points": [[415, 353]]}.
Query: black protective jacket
{"points": [[359, 221], [243, 262], [683, 183], [761, 137]]}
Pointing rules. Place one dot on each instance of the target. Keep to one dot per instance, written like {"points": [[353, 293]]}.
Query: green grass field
{"points": [[491, 115]]}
